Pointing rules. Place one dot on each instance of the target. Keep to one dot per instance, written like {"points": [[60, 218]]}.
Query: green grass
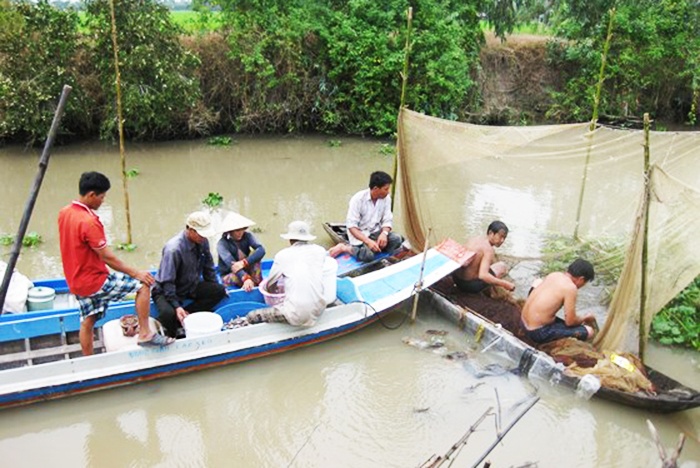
{"points": [[535, 28], [193, 22]]}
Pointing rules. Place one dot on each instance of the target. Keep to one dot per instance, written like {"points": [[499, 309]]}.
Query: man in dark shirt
{"points": [[187, 272]]}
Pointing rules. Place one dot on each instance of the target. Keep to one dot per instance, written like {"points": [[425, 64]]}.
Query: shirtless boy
{"points": [[482, 272], [557, 289]]}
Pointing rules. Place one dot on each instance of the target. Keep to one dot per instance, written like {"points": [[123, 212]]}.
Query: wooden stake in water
{"points": [[594, 118], [419, 284], [120, 121], [404, 82], [645, 248]]}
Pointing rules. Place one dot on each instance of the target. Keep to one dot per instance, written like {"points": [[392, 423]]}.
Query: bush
{"points": [[38, 51], [652, 65], [679, 322], [159, 88]]}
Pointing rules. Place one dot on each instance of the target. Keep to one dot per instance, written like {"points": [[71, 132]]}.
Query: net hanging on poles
{"points": [[456, 178]]}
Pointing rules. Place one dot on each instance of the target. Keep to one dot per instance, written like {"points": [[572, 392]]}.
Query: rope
{"points": [[388, 327]]}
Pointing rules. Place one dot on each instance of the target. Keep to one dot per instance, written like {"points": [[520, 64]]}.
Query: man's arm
{"points": [[570, 317], [224, 255], [486, 276], [208, 271], [258, 252], [167, 275], [373, 245], [107, 256]]}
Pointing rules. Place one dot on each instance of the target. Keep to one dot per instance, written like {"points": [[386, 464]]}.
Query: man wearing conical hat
{"points": [[240, 253]]}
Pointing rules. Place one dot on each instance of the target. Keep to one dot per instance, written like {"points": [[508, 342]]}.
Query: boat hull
{"points": [[672, 396], [360, 301]]}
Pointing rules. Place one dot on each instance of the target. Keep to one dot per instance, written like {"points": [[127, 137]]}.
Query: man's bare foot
{"points": [[591, 332], [339, 249]]}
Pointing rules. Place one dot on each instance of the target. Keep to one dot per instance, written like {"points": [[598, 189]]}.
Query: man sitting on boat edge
{"points": [[558, 289], [370, 221], [85, 257], [484, 271], [186, 271]]}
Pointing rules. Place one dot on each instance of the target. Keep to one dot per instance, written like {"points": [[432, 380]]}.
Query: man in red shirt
{"points": [[85, 256]]}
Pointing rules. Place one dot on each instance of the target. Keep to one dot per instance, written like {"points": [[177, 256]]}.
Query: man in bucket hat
{"points": [[240, 253], [186, 272], [301, 266]]}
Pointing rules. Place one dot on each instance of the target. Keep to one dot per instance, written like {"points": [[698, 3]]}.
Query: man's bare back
{"points": [[558, 289], [546, 299]]}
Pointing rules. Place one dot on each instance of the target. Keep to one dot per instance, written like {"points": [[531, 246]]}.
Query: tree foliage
{"points": [[159, 87], [336, 66], [679, 322], [653, 63], [38, 45], [326, 65]]}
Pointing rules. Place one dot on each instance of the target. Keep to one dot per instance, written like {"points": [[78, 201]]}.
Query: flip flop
{"points": [[157, 341]]}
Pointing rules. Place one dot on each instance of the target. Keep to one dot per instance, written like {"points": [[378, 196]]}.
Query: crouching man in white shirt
{"points": [[301, 267]]}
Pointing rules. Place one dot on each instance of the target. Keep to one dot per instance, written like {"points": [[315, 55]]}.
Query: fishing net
{"points": [[563, 186]]}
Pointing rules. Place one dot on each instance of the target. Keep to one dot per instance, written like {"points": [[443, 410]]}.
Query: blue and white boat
{"points": [[50, 369], [62, 302]]}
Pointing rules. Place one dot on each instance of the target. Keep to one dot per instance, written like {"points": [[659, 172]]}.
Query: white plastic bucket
{"points": [[202, 324], [40, 298], [330, 285]]}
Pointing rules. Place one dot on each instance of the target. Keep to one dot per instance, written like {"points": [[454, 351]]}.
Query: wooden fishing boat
{"points": [[338, 232], [360, 301], [670, 396]]}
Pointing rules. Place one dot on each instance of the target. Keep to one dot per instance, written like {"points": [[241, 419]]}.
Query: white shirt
{"points": [[368, 216], [302, 267]]}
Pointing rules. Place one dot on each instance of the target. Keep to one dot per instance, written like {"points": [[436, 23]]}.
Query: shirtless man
{"points": [[482, 272], [539, 312]]}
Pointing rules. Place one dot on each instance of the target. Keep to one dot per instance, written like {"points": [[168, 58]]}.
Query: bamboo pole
{"points": [[404, 83], [508, 428], [120, 121], [594, 117], [419, 284], [33, 194], [437, 461], [645, 251], [601, 76]]}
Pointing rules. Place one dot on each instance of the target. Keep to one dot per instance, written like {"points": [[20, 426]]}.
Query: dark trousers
{"points": [[206, 295], [365, 254]]}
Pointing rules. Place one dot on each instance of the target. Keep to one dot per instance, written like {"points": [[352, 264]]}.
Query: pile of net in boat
{"points": [[621, 371], [567, 185]]}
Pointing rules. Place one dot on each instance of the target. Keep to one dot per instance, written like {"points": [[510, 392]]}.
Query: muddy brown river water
{"points": [[365, 400]]}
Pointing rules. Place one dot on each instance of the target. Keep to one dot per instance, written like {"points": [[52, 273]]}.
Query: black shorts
{"points": [[555, 331], [472, 286]]}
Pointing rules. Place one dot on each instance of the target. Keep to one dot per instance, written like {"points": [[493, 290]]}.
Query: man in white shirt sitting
{"points": [[370, 221], [301, 267]]}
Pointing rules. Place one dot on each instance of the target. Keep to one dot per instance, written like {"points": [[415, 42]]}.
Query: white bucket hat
{"points": [[234, 221], [298, 230], [200, 221]]}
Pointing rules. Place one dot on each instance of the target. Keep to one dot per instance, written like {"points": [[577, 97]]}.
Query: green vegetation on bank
{"points": [[679, 322], [321, 65]]}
